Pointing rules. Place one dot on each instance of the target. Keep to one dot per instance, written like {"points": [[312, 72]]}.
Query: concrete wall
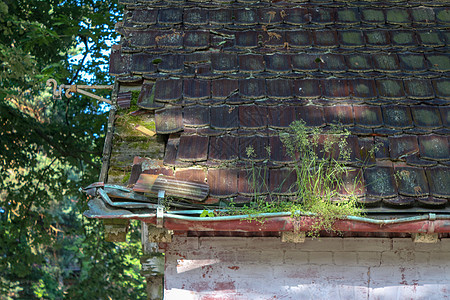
{"points": [[325, 268]]}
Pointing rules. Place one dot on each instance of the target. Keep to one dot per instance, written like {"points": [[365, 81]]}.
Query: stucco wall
{"points": [[327, 268]]}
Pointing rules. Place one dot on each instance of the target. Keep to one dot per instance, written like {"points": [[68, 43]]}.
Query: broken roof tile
{"points": [[170, 16], [278, 63], [223, 88], [251, 63], [380, 182], [412, 62], [280, 116], [168, 90], [193, 148], [171, 150], [419, 88], [196, 40], [368, 116], [351, 39], [305, 62], [195, 89], [386, 62], [224, 117], [298, 38], [426, 116], [253, 147], [223, 148], [338, 114], [390, 89], [325, 38], [364, 89], [223, 183], [312, 115], [252, 116], [196, 115], [307, 88], [195, 16], [438, 179], [442, 88], [169, 120], [336, 88], [279, 88], [397, 116], [403, 146], [224, 62], [252, 88], [434, 147]]}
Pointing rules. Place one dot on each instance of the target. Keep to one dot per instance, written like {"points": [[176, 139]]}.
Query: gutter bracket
{"points": [[160, 209]]}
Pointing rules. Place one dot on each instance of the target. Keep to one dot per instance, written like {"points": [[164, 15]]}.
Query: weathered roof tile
{"points": [[434, 147], [380, 182], [411, 181], [223, 148], [278, 152], [297, 16], [403, 38], [338, 114], [280, 116], [223, 88], [245, 16], [390, 88], [422, 15], [397, 116], [196, 115], [359, 63], [224, 117], [193, 148], [322, 16], [167, 90], [364, 89], [351, 39], [224, 62], [438, 179], [372, 16], [386, 62], [368, 116], [253, 147], [305, 62], [220, 16], [298, 38], [442, 88], [438, 62], [377, 38], [419, 88], [252, 116], [307, 88], [278, 63], [403, 146], [426, 116], [169, 120], [334, 63], [336, 88], [397, 16], [312, 115], [251, 63], [195, 40], [195, 16], [412, 62], [191, 174], [325, 38], [246, 39], [279, 88], [283, 181], [170, 16], [223, 183], [252, 88], [144, 16]]}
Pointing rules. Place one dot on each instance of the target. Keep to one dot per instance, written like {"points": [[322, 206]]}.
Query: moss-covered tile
{"points": [[351, 39], [390, 88], [325, 38], [439, 62], [443, 15], [403, 38], [398, 16], [430, 38], [364, 89], [435, 147], [377, 38], [386, 63], [442, 88], [438, 179], [348, 16], [368, 116], [422, 15], [426, 116], [359, 63], [372, 16], [333, 63], [419, 88], [403, 146], [411, 181], [412, 62], [397, 116], [380, 182]]}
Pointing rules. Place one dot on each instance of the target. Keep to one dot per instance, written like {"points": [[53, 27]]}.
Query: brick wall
{"points": [[327, 268]]}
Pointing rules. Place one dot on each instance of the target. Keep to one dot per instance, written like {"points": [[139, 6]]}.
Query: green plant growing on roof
{"points": [[319, 163]]}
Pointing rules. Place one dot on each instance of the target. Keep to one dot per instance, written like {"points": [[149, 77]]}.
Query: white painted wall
{"points": [[325, 268]]}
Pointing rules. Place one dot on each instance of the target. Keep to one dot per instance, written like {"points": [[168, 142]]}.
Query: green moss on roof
{"points": [[443, 16], [397, 16], [431, 39], [426, 117], [347, 15], [373, 15], [439, 62], [376, 38], [423, 15], [402, 38], [352, 38]]}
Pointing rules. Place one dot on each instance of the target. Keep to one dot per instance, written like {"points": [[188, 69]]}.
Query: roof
{"points": [[213, 77]]}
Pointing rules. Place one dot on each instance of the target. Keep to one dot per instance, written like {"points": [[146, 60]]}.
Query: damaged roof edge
{"points": [[430, 223]]}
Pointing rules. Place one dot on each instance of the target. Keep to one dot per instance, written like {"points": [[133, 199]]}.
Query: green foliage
{"points": [[320, 169], [49, 149]]}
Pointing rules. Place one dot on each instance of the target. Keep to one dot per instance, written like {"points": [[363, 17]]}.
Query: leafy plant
{"points": [[319, 164]]}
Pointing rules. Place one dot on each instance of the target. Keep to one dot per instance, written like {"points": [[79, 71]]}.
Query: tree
{"points": [[50, 148]]}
